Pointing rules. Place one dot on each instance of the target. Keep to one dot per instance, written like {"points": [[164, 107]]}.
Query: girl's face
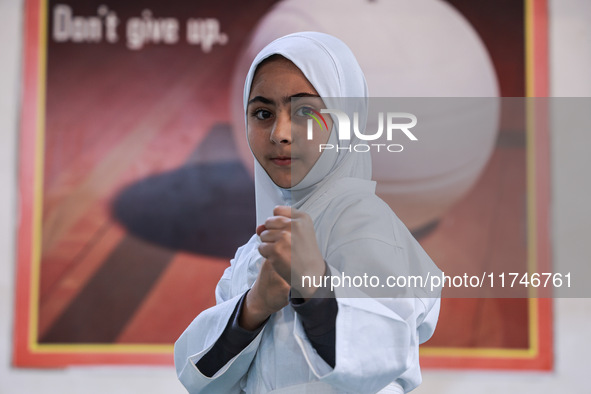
{"points": [[277, 133]]}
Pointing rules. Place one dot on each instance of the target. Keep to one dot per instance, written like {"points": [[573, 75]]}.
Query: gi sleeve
{"points": [[232, 341], [202, 335]]}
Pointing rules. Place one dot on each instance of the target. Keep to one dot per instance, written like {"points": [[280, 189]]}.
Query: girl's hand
{"points": [[288, 242], [268, 295]]}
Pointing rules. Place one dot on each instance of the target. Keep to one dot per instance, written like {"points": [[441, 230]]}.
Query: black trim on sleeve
{"points": [[318, 316], [232, 341]]}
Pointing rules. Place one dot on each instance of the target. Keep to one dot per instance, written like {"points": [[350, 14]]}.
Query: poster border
{"points": [[539, 354], [27, 352]]}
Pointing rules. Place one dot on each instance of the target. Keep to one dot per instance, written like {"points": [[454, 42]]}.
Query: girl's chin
{"points": [[285, 178], [285, 182], [282, 183]]}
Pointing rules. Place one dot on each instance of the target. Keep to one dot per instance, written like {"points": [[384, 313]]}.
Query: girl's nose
{"points": [[281, 133]]}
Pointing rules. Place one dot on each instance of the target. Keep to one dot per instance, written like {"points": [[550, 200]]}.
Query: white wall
{"points": [[24, 381], [571, 216]]}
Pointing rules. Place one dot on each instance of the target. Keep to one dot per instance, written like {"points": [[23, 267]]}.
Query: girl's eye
{"points": [[262, 114], [304, 111]]}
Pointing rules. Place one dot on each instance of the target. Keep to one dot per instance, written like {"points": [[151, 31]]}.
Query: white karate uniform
{"points": [[377, 339]]}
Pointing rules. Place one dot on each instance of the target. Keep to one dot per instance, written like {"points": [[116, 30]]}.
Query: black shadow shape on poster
{"points": [[206, 207]]}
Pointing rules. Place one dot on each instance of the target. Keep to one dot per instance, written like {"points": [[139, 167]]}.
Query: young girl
{"points": [[317, 216]]}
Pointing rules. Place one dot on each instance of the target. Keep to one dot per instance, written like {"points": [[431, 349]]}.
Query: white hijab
{"points": [[330, 66]]}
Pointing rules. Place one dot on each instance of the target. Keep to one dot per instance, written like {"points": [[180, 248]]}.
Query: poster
{"points": [[134, 192]]}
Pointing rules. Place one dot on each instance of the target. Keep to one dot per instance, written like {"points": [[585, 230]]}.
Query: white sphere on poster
{"points": [[407, 48]]}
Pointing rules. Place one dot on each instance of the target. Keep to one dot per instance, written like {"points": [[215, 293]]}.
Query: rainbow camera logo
{"points": [[317, 116]]}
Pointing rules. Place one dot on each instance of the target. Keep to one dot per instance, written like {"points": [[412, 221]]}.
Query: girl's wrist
{"points": [[254, 313], [318, 271]]}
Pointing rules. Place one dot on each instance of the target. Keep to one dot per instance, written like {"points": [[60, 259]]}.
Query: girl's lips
{"points": [[281, 161]]}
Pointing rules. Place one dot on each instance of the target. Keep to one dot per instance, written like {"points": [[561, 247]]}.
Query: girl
{"points": [[317, 216]]}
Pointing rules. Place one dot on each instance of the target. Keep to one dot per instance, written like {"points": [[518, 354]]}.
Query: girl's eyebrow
{"points": [[262, 99], [285, 100]]}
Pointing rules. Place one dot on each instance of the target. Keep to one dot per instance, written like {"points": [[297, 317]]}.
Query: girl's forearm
{"points": [[253, 314]]}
